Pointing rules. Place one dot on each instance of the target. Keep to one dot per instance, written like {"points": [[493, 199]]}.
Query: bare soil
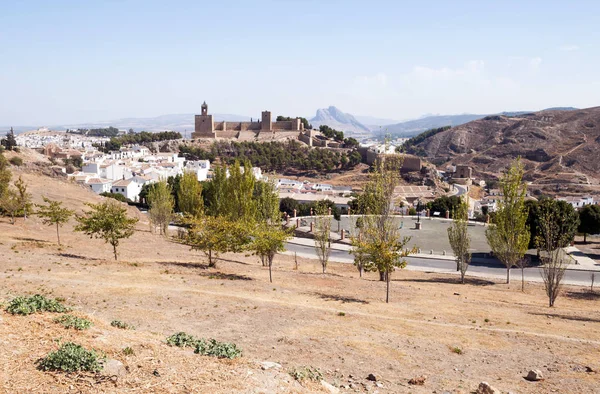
{"points": [[456, 335]]}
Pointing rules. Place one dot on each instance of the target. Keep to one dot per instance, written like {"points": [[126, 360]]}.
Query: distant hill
{"points": [[373, 123], [338, 120], [556, 145], [414, 127]]}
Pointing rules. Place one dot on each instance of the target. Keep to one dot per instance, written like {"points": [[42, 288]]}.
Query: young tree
{"points": [[268, 241], [459, 238], [53, 213], [380, 246], [161, 204], [23, 197], [5, 175], [214, 235], [322, 234], [508, 235], [554, 259], [239, 203], [10, 203], [589, 218], [189, 193], [523, 263], [108, 221]]}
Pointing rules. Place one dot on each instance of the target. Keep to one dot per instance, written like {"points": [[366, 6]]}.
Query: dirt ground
{"points": [[455, 335]]}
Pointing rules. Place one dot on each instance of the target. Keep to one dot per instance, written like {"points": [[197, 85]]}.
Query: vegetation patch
{"points": [[71, 357], [121, 325], [210, 347], [34, 304], [306, 373], [71, 321]]}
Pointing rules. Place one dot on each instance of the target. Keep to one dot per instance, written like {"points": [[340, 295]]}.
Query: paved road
{"points": [[486, 269]]}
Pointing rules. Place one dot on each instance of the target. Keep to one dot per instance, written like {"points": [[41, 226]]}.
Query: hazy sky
{"points": [[77, 61]]}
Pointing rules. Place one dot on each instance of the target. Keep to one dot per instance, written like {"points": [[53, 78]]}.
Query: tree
{"points": [[53, 213], [10, 203], [508, 235], [554, 259], [459, 238], [23, 197], [108, 221], [189, 194], [161, 204], [268, 241], [239, 189], [322, 234], [214, 235], [10, 142], [379, 246], [589, 218], [5, 175], [523, 263]]}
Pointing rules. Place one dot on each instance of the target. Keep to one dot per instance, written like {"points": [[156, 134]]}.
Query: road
{"points": [[484, 269]]}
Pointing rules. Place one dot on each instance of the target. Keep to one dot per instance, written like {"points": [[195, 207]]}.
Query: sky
{"points": [[86, 61]]}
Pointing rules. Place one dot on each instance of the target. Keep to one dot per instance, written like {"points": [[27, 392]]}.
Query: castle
{"points": [[206, 127]]}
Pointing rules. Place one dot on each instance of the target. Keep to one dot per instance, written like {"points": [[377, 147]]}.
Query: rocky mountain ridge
{"points": [[557, 146]]}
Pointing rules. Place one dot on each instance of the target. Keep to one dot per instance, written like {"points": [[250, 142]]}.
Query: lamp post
{"points": [[419, 207]]}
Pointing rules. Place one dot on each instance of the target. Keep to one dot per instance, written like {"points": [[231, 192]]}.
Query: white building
{"points": [[578, 202], [99, 185], [199, 167], [128, 188]]}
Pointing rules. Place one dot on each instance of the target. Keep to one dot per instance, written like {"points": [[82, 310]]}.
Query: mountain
{"points": [[414, 127], [557, 146], [374, 123], [338, 120]]}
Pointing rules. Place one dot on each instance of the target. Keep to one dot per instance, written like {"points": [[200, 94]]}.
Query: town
{"points": [[294, 197]]}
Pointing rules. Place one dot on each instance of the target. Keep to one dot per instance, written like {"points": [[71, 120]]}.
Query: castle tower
{"points": [[204, 126], [266, 123]]}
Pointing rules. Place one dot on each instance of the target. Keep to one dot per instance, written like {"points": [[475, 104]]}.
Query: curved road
{"points": [[479, 268]]}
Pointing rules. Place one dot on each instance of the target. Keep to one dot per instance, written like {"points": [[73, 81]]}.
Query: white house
{"points": [[199, 167], [99, 185], [578, 202], [322, 187], [128, 188]]}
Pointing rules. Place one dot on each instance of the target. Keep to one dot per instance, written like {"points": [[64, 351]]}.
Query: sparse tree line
{"points": [[238, 213], [275, 156]]}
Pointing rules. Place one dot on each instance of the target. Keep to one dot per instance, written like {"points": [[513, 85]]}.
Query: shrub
{"points": [[71, 358], [128, 351], [210, 347], [412, 211], [116, 196], [217, 349], [121, 325], [34, 304], [341, 314], [457, 350], [306, 373], [70, 321], [181, 339], [16, 161]]}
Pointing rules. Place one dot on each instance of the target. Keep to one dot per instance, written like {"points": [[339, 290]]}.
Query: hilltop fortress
{"points": [[206, 127]]}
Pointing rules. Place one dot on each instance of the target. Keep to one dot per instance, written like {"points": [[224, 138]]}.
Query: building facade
{"points": [[206, 127]]}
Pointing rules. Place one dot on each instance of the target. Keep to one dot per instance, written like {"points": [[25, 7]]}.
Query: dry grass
{"points": [[162, 287]]}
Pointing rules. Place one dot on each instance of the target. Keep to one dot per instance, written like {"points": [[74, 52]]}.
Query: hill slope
{"points": [[338, 120], [553, 143]]}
